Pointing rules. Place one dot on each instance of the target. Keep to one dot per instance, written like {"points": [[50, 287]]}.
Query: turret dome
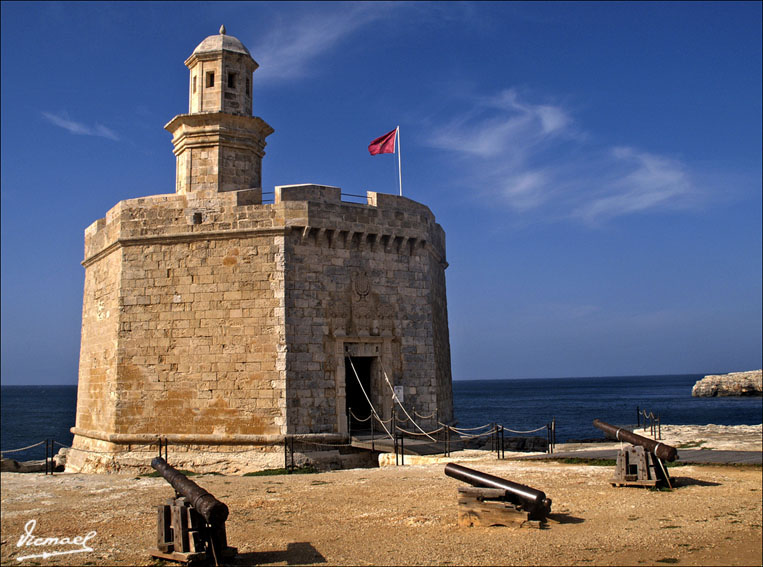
{"points": [[220, 42]]}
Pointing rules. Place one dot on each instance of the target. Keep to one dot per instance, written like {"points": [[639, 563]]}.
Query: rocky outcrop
{"points": [[11, 465], [733, 384]]}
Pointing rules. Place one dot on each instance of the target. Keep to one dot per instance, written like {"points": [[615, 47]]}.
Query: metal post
{"points": [[402, 450], [373, 418], [349, 423], [292, 453], [553, 434], [285, 452], [166, 449], [503, 445], [659, 428], [46, 457], [638, 417]]}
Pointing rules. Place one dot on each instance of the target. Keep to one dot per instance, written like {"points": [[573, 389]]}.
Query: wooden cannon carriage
{"points": [[641, 464], [492, 500], [191, 526]]}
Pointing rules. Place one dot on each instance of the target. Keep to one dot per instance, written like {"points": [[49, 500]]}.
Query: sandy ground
{"points": [[407, 515]]}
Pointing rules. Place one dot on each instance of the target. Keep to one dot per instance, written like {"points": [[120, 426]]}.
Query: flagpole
{"points": [[399, 172]]}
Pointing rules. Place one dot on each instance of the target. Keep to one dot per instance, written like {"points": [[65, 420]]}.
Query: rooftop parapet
{"points": [[211, 214], [308, 192]]}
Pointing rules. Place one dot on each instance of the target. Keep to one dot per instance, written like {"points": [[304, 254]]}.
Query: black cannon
{"points": [[191, 526], [642, 464], [661, 450], [524, 499]]}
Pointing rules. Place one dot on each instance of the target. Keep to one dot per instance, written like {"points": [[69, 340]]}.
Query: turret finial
{"points": [[222, 30]]}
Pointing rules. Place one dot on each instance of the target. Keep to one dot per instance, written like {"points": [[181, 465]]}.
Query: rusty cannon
{"points": [[191, 526], [642, 463], [492, 500]]}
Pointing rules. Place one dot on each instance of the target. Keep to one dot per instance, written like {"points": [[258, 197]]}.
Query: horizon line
{"points": [[496, 379]]}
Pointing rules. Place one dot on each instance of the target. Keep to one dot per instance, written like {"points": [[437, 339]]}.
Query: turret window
{"points": [[210, 78], [231, 80], [247, 87], [194, 83]]}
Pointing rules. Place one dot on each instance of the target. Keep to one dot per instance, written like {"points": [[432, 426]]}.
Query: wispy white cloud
{"points": [[536, 159], [62, 120], [640, 182], [290, 50]]}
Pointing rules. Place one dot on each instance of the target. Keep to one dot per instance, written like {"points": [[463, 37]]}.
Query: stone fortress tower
{"points": [[221, 324]]}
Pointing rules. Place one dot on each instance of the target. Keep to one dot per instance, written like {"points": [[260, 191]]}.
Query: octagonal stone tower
{"points": [[221, 324]]}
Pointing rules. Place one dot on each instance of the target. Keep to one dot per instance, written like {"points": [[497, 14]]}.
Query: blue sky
{"points": [[596, 167]]}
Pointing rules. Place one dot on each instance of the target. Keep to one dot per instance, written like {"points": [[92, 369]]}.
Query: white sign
{"points": [[399, 394]]}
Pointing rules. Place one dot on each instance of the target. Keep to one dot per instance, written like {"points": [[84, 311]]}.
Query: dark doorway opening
{"points": [[356, 400]]}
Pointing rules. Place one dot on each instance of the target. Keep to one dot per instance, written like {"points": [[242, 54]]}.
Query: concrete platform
{"points": [[421, 446]]}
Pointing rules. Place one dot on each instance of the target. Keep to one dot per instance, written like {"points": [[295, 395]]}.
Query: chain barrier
{"points": [[466, 428], [485, 434], [420, 434], [651, 421], [530, 431], [23, 448], [352, 414], [430, 416], [394, 395]]}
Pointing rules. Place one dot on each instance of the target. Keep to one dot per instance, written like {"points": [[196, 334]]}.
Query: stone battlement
{"points": [[389, 222]]}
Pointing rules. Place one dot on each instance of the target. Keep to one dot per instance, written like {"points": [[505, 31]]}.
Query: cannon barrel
{"points": [[532, 500], [213, 511], [660, 450]]}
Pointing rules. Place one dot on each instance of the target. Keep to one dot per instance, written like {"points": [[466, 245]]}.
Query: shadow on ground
{"points": [[565, 519], [297, 553], [680, 481]]}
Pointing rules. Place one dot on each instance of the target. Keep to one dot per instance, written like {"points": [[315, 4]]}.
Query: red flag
{"points": [[383, 144]]}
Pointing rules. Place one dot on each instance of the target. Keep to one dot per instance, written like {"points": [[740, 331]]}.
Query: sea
{"points": [[30, 414]]}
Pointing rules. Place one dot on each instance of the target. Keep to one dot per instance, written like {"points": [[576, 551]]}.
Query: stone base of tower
{"points": [[96, 456]]}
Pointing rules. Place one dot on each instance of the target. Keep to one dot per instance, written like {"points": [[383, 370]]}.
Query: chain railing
{"points": [[444, 435], [651, 422]]}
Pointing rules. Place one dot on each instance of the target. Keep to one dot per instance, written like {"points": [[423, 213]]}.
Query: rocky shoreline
{"points": [[733, 384]]}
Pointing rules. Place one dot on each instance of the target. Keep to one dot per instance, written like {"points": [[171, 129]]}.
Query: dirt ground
{"points": [[402, 516]]}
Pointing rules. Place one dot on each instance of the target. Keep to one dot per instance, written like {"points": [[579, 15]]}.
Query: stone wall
{"points": [[733, 384], [99, 347], [211, 318]]}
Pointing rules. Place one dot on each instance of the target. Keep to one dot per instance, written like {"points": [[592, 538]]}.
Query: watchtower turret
{"points": [[219, 145], [221, 76]]}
